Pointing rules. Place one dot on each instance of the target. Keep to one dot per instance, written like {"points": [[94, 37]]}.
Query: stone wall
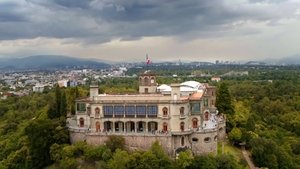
{"points": [[133, 142], [206, 142], [204, 146]]}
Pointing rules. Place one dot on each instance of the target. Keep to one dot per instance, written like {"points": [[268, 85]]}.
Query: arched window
{"points": [[165, 111], [182, 126], [165, 127], [182, 141], [97, 126], [181, 111], [195, 123], [206, 116], [81, 122], [97, 111]]}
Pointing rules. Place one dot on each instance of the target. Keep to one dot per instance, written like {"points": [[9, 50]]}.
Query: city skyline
{"points": [[165, 30]]}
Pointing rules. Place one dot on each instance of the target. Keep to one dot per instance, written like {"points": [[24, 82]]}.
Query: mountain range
{"points": [[49, 62]]}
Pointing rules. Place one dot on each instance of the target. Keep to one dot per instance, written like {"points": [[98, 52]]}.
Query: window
{"points": [[152, 110], [165, 111], [196, 108], [146, 90], [81, 107], [97, 126], [81, 122], [97, 111], [182, 141], [165, 127], [182, 126], [130, 111], [207, 139], [119, 111], [206, 116], [108, 111], [181, 111], [194, 140], [141, 111], [195, 123], [205, 102]]}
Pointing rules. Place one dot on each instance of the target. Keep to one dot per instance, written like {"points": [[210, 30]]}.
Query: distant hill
{"points": [[48, 62], [289, 60]]}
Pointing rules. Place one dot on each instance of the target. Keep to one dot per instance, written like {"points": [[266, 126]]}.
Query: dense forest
{"points": [[262, 111]]}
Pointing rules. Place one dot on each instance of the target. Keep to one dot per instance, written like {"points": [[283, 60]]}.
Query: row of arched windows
{"points": [[165, 125]]}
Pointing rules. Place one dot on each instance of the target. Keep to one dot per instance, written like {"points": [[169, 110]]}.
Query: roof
{"points": [[188, 86]]}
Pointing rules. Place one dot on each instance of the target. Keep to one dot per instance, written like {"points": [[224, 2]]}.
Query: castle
{"points": [[180, 116]]}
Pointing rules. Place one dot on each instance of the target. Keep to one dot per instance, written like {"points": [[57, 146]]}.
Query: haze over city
{"points": [[119, 30]]}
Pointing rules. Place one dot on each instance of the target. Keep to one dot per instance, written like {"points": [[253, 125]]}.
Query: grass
{"points": [[236, 152]]}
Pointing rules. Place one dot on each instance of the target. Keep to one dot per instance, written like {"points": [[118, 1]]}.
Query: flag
{"points": [[147, 59]]}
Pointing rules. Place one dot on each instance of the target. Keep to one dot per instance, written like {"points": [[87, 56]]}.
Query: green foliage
{"points": [[235, 135], [226, 162], [119, 160], [224, 100], [115, 142], [204, 162], [39, 134], [185, 159], [163, 159]]}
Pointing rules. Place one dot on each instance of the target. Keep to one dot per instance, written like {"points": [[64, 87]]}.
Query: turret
{"points": [[175, 91], [147, 83], [94, 91]]}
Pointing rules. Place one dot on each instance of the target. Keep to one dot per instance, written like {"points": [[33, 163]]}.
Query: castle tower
{"points": [[94, 91], [147, 83]]}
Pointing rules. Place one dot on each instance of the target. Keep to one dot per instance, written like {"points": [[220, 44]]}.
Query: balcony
{"points": [[180, 133], [183, 116]]}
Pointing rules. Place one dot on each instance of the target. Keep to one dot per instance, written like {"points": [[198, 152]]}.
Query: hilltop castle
{"points": [[180, 116]]}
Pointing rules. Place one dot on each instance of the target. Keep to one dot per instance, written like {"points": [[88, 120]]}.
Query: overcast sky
{"points": [[125, 30]]}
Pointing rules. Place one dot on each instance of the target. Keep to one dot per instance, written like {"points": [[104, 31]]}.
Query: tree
{"points": [[115, 142], [204, 162], [264, 152], [163, 158], [119, 160], [226, 161], [185, 159], [39, 134], [235, 135], [63, 104], [224, 100]]}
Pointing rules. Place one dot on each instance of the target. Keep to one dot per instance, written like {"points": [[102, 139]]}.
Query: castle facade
{"points": [[179, 116]]}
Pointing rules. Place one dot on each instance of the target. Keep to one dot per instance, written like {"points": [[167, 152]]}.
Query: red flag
{"points": [[147, 60]]}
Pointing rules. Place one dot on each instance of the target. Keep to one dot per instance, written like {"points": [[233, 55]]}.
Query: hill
{"points": [[48, 62]]}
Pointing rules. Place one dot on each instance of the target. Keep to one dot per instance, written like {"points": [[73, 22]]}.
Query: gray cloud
{"points": [[98, 21]]}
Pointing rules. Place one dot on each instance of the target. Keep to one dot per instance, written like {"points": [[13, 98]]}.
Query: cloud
{"points": [[100, 21]]}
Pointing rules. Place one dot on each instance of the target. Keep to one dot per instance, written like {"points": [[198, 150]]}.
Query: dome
{"points": [[191, 84]]}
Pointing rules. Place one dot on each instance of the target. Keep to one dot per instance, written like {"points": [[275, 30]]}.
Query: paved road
{"points": [[247, 158]]}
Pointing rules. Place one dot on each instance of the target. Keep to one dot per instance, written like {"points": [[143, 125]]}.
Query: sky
{"points": [[166, 30]]}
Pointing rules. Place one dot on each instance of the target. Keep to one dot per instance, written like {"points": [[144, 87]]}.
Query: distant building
{"points": [[38, 88], [216, 79], [63, 83], [180, 116]]}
